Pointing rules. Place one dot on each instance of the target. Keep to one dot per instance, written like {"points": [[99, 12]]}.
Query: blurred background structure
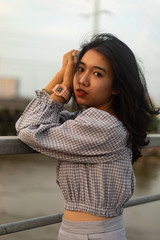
{"points": [[34, 35], [8, 88]]}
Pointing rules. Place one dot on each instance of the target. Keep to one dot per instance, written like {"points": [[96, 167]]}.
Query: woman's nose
{"points": [[84, 79]]}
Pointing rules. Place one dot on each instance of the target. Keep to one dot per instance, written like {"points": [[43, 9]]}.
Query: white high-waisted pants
{"points": [[111, 229]]}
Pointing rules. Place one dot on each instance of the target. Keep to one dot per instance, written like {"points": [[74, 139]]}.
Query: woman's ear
{"points": [[115, 91]]}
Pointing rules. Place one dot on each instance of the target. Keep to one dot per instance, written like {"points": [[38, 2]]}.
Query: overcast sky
{"points": [[34, 35]]}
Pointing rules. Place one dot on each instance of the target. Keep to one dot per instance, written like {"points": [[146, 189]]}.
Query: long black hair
{"points": [[132, 105]]}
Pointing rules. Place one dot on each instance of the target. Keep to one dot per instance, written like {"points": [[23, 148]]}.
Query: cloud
{"points": [[7, 8]]}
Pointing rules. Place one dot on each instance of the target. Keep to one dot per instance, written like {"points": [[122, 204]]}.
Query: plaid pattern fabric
{"points": [[94, 170]]}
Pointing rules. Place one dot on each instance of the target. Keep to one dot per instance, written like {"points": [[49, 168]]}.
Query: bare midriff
{"points": [[77, 216]]}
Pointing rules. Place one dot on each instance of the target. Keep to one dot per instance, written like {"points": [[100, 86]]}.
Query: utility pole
{"points": [[96, 14]]}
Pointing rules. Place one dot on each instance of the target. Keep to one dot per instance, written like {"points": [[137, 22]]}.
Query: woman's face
{"points": [[93, 81]]}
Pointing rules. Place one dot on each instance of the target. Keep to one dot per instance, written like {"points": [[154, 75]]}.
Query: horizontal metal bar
{"points": [[154, 140], [12, 145], [53, 219], [30, 224], [142, 200]]}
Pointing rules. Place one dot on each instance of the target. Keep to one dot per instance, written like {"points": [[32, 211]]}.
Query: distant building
{"points": [[9, 97], [8, 88]]}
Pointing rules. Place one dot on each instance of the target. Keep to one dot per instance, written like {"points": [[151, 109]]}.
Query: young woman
{"points": [[95, 146]]}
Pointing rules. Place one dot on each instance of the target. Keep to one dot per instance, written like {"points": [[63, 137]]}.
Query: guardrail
{"points": [[57, 218], [12, 145]]}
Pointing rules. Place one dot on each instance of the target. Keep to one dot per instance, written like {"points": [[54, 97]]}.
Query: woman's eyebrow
{"points": [[97, 67], [100, 68], [80, 62]]}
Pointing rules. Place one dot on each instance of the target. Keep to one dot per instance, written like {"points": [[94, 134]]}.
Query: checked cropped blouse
{"points": [[94, 170]]}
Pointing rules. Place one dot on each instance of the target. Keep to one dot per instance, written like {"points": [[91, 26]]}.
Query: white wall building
{"points": [[8, 88]]}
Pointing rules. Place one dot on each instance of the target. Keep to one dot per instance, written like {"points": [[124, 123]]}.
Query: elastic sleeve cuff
{"points": [[45, 98]]}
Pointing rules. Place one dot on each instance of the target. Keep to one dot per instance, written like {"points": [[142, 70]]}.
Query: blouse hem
{"points": [[89, 209]]}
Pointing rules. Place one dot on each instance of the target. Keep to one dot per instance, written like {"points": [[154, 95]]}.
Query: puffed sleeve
{"points": [[92, 136]]}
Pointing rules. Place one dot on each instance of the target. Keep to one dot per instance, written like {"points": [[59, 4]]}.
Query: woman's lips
{"points": [[81, 93]]}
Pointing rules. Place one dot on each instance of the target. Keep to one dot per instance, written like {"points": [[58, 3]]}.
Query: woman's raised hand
{"points": [[70, 60], [65, 75]]}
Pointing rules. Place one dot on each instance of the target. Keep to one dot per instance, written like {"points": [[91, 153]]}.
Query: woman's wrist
{"points": [[57, 98], [54, 97], [60, 92], [46, 91]]}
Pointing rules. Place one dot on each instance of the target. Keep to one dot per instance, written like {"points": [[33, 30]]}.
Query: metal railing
{"points": [[12, 145], [57, 218]]}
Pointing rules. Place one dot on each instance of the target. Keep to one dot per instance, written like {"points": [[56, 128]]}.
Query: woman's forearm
{"points": [[58, 79], [64, 76]]}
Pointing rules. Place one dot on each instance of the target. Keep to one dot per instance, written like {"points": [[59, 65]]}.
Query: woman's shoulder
{"points": [[67, 115], [100, 116]]}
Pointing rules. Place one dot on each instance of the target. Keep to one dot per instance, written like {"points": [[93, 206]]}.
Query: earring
{"points": [[115, 91]]}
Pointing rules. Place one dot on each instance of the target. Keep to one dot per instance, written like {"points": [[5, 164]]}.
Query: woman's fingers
{"points": [[73, 53], [70, 68]]}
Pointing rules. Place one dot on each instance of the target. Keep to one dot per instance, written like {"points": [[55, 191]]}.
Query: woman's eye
{"points": [[97, 74], [80, 69]]}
